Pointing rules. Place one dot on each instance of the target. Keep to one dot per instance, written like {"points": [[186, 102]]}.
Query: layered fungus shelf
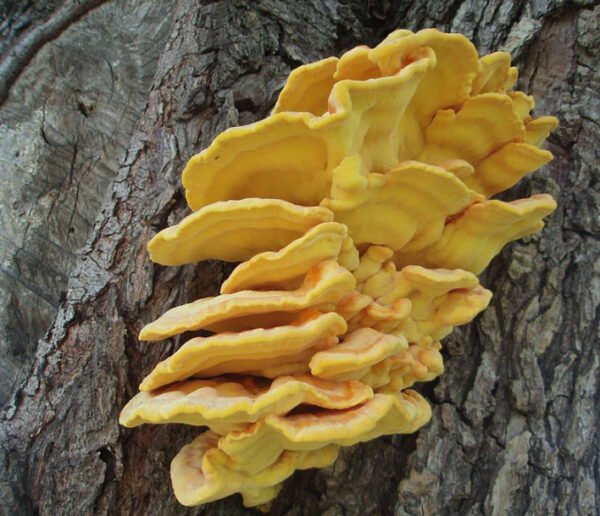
{"points": [[361, 212]]}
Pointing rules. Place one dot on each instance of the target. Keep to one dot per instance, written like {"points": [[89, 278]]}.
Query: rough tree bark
{"points": [[63, 132], [515, 414]]}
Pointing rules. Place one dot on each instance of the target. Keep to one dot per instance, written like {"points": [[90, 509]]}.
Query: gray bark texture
{"points": [[515, 418], [63, 133]]}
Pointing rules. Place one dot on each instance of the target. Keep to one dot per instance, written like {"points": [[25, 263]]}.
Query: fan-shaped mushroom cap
{"points": [[483, 124], [537, 130], [447, 84], [234, 231], [256, 161], [246, 351], [223, 404], [495, 134], [507, 166], [369, 118], [308, 88], [416, 282], [470, 241], [323, 287], [405, 208], [522, 104]]}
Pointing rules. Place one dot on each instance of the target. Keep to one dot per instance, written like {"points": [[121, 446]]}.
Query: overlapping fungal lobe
{"points": [[360, 211]]}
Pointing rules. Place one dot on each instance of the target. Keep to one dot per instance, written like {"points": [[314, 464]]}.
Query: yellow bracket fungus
{"points": [[221, 403], [234, 231], [361, 211], [324, 285], [202, 473], [280, 269], [384, 414], [355, 354], [473, 239], [239, 352]]}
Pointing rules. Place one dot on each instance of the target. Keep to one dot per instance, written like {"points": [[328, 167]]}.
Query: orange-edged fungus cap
{"points": [[223, 404], [278, 270], [384, 414], [404, 209], [246, 351], [323, 287]]}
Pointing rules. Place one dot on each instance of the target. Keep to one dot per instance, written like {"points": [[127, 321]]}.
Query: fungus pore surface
{"points": [[361, 211]]}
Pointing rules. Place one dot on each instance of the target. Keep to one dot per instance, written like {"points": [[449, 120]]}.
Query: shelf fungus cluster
{"points": [[361, 213]]}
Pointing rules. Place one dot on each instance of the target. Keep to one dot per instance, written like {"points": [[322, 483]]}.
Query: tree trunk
{"points": [[63, 132], [515, 414]]}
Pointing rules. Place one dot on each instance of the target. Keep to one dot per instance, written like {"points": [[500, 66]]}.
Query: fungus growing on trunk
{"points": [[361, 212]]}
